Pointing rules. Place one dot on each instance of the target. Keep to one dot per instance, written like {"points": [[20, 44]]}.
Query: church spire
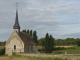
{"points": [[16, 25]]}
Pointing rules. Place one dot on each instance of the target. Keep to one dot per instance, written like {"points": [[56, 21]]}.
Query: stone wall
{"points": [[10, 46], [14, 40]]}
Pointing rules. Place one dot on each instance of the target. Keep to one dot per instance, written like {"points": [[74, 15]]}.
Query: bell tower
{"points": [[16, 25]]}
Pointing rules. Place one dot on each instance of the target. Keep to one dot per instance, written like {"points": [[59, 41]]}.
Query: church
{"points": [[20, 42]]}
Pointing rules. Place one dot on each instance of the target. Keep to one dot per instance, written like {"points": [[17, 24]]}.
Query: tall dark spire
{"points": [[16, 25]]}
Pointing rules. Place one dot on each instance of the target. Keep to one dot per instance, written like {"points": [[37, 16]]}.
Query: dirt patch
{"points": [[64, 46]]}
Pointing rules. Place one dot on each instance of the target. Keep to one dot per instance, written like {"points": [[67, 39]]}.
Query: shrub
{"points": [[2, 51], [78, 42]]}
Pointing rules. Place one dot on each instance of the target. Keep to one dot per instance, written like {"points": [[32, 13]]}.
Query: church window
{"points": [[14, 47]]}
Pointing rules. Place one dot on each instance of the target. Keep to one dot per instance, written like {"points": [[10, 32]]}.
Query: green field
{"points": [[74, 50]]}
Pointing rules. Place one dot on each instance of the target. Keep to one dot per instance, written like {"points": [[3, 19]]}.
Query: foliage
{"points": [[2, 43], [24, 31], [2, 51], [57, 42], [78, 41], [31, 33], [63, 42], [60, 42], [41, 42], [49, 43], [35, 36], [28, 31]]}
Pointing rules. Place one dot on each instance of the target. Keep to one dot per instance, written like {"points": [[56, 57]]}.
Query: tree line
{"points": [[62, 42], [48, 42], [2, 43]]}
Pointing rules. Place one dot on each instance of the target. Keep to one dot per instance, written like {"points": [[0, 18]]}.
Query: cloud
{"points": [[74, 35], [57, 17]]}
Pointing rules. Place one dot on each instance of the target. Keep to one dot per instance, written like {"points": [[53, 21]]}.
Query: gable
{"points": [[14, 35]]}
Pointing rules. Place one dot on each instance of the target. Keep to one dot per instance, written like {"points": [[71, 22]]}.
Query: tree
{"points": [[47, 43], [35, 37], [51, 43], [31, 33], [24, 30], [41, 41], [0, 43], [28, 31], [78, 41], [2, 51]]}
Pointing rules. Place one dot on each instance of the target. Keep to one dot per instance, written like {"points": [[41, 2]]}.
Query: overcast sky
{"points": [[60, 18]]}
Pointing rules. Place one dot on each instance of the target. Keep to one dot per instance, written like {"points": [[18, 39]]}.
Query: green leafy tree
{"points": [[51, 43], [78, 41], [63, 42], [2, 51], [28, 31], [41, 41], [31, 33], [47, 43], [24, 31], [35, 37]]}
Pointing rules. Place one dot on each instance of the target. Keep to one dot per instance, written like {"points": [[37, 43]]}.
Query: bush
{"points": [[2, 51], [78, 42]]}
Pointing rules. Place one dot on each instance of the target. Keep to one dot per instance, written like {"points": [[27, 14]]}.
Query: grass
{"points": [[19, 57], [66, 50], [75, 50]]}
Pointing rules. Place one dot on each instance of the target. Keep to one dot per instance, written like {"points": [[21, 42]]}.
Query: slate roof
{"points": [[26, 38], [16, 25]]}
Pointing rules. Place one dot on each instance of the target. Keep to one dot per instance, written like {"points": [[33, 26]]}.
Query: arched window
{"points": [[14, 47]]}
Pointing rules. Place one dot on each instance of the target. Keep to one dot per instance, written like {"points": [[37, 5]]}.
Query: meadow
{"points": [[58, 50], [67, 50], [74, 49], [19, 57]]}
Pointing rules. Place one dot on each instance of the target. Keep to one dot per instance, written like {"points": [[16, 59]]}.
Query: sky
{"points": [[59, 18]]}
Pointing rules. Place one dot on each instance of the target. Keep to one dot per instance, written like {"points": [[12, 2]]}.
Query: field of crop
{"points": [[68, 50], [65, 49]]}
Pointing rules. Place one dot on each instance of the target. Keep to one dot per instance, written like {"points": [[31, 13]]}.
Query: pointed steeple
{"points": [[16, 25]]}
